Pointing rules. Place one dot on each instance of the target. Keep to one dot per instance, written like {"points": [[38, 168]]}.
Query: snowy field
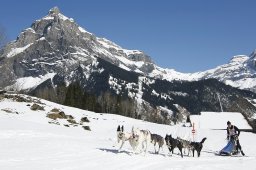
{"points": [[28, 141]]}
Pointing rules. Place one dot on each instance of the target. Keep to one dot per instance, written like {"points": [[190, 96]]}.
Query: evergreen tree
{"points": [[74, 96]]}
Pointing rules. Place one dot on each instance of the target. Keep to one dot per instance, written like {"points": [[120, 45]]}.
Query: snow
{"points": [[129, 52], [28, 141], [244, 83], [63, 17], [31, 30], [16, 51], [240, 58], [41, 39], [180, 93], [140, 91], [139, 63], [29, 82], [125, 62], [108, 44], [114, 84], [83, 30], [155, 93], [47, 18], [171, 74], [124, 67]]}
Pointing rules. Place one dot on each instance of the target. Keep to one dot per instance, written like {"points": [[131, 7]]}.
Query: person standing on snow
{"points": [[232, 134]]}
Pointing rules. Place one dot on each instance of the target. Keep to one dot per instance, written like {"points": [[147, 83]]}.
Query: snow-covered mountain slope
{"points": [[239, 72], [55, 44], [30, 140]]}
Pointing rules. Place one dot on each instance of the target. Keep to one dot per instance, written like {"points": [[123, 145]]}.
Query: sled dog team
{"points": [[140, 140]]}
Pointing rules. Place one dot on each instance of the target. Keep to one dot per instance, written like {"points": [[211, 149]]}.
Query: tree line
{"points": [[106, 102]]}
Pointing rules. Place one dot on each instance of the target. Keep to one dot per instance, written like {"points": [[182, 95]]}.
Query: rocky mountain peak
{"points": [[57, 44], [54, 11], [239, 58]]}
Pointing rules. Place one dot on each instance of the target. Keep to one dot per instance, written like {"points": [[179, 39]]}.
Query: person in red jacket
{"points": [[232, 134]]}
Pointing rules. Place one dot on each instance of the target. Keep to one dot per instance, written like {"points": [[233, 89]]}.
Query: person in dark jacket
{"points": [[232, 134]]}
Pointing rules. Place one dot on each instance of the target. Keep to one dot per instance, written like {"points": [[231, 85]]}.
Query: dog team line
{"points": [[140, 140]]}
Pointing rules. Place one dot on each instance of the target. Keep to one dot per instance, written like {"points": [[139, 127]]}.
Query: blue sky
{"points": [[185, 35]]}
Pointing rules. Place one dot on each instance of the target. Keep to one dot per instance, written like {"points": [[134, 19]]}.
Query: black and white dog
{"points": [[173, 143], [125, 136], [157, 139], [197, 146]]}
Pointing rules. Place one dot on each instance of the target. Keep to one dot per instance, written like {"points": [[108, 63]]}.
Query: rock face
{"points": [[58, 60], [56, 44]]}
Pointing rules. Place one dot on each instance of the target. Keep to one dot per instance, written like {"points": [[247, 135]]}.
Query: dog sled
{"points": [[230, 149]]}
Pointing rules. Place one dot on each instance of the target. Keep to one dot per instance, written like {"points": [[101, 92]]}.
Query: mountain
{"points": [[57, 60], [240, 72]]}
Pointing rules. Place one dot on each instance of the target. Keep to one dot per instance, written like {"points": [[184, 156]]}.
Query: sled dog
{"points": [[125, 136], [141, 138], [185, 145], [197, 146], [157, 139], [173, 143]]}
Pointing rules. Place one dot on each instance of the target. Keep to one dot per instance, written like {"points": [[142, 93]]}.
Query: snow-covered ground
{"points": [[28, 141]]}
